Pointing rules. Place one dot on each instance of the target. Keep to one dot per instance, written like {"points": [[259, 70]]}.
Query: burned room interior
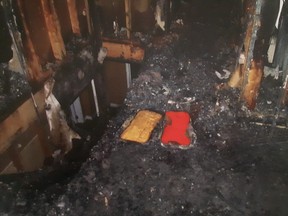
{"points": [[78, 76]]}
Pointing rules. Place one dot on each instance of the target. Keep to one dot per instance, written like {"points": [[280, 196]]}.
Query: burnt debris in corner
{"points": [[80, 68]]}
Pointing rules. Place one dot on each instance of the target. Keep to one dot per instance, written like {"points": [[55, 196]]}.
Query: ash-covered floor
{"points": [[238, 165]]}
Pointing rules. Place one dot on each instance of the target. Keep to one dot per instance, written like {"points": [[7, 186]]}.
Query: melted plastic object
{"points": [[177, 131]]}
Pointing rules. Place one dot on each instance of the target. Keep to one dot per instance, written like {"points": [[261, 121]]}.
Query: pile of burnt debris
{"points": [[238, 166]]}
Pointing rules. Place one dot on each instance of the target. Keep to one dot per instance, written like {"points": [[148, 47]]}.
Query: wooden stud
{"points": [[250, 91], [54, 30], [254, 66], [125, 51], [74, 16], [128, 18], [33, 60]]}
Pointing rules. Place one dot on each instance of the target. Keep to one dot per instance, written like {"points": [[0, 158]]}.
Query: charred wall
{"points": [[59, 40]]}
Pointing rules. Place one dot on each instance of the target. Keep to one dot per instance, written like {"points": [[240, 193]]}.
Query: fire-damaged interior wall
{"points": [[59, 42]]}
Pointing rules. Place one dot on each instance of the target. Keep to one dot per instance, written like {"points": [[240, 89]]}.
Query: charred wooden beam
{"points": [[254, 77], [53, 28], [252, 68], [20, 120], [74, 16], [264, 18], [33, 60], [125, 51]]}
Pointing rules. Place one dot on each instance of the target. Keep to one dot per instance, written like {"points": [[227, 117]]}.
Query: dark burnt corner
{"points": [[74, 73]]}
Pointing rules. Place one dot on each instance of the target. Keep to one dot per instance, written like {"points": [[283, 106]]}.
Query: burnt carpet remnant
{"points": [[236, 167]]}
